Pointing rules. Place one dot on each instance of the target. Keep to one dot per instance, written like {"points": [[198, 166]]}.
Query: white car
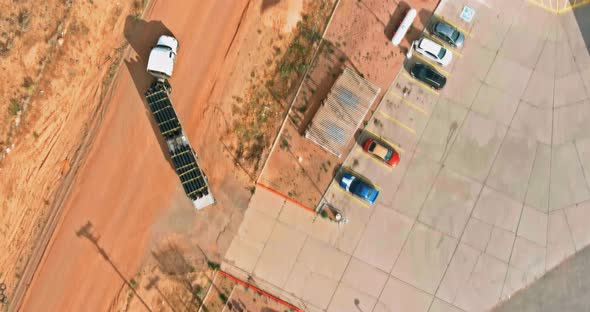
{"points": [[162, 57], [433, 51]]}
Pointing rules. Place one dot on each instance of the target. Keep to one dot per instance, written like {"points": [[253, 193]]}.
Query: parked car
{"points": [[358, 187], [428, 75], [383, 152], [448, 34], [433, 51]]}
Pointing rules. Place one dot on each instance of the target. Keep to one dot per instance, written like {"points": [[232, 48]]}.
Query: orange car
{"points": [[383, 152]]}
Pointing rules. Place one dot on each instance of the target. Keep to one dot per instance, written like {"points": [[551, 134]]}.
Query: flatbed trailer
{"points": [[193, 179]]}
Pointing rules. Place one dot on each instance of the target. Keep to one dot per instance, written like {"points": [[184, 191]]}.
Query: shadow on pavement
{"points": [[582, 16], [565, 288]]}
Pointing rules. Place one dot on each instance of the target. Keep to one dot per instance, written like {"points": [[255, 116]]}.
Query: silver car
{"points": [[448, 34]]}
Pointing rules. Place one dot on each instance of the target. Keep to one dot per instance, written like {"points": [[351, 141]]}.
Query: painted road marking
{"points": [[399, 123], [542, 5], [353, 197], [422, 84], [371, 157], [576, 4], [397, 148], [459, 28], [412, 105], [420, 57], [268, 188], [443, 43], [484, 2]]}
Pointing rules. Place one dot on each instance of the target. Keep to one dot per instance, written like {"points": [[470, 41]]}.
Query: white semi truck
{"points": [[183, 157], [162, 57]]}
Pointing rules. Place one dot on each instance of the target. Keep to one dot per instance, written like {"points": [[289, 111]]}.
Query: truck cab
{"points": [[162, 57]]}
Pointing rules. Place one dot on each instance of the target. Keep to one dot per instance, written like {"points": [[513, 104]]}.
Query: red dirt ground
{"points": [[359, 38], [126, 183]]}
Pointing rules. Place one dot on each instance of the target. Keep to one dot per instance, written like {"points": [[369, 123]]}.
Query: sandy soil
{"points": [[127, 199], [60, 61], [125, 185], [359, 38]]}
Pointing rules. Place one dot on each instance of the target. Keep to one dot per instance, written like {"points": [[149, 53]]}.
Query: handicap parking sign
{"points": [[467, 14]]}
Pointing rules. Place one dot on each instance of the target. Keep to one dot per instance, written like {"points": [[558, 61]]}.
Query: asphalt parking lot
{"points": [[491, 192]]}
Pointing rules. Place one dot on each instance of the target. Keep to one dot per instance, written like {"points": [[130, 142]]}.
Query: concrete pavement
{"points": [[491, 192]]}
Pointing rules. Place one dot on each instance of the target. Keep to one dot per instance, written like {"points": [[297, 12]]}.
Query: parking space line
{"points": [[573, 6], [438, 67], [375, 160], [420, 83], [459, 28], [353, 197], [444, 44], [412, 105], [399, 149], [544, 6], [399, 123], [485, 3]]}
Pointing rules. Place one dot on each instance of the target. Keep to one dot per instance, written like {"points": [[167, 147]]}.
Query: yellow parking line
{"points": [[444, 44], [439, 68], [374, 159], [422, 84], [485, 3], [352, 196], [543, 6], [399, 123], [399, 149], [459, 28], [412, 105], [572, 6]]}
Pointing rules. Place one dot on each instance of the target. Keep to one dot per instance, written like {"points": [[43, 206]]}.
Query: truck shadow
{"points": [[142, 81], [142, 36]]}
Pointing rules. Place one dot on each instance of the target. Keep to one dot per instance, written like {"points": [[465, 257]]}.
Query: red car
{"points": [[383, 152]]}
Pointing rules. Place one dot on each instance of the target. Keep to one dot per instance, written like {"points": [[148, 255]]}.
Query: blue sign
{"points": [[467, 14]]}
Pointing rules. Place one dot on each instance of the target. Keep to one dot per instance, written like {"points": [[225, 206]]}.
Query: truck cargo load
{"points": [[193, 179]]}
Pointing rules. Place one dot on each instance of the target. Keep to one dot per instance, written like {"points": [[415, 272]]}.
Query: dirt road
{"points": [[126, 184]]}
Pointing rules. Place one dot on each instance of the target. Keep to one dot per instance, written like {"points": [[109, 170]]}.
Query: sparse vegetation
{"points": [[133, 283], [284, 143], [24, 19], [323, 214], [223, 297], [15, 107], [78, 27], [303, 108], [308, 34], [114, 66], [213, 265]]}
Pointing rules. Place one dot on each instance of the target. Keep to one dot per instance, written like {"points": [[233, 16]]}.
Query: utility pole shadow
{"points": [[85, 231]]}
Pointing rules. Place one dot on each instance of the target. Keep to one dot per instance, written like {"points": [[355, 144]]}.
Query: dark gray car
{"points": [[448, 33], [428, 75]]}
